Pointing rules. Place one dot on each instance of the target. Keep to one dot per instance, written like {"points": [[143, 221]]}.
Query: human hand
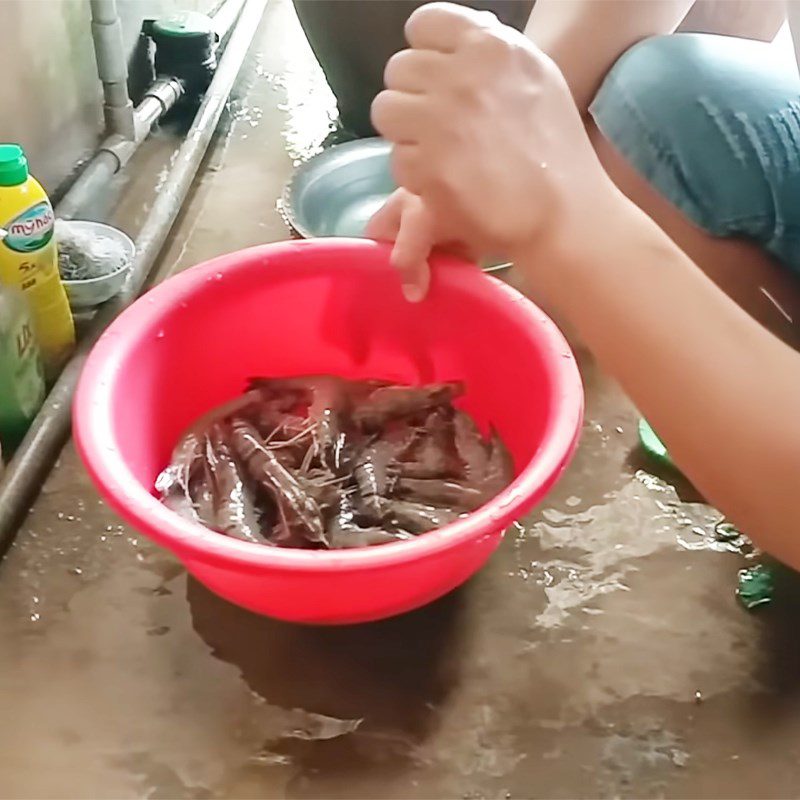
{"points": [[488, 145], [406, 221]]}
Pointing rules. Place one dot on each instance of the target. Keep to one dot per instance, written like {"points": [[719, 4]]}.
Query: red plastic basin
{"points": [[324, 306]]}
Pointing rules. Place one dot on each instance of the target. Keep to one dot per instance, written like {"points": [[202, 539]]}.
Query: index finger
{"points": [[441, 26]]}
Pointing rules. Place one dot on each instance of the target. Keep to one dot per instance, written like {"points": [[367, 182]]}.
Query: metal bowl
{"points": [[337, 191]]}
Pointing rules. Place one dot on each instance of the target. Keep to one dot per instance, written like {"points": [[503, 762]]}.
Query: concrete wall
{"points": [[49, 92]]}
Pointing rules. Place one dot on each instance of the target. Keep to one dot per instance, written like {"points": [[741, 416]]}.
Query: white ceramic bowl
{"points": [[92, 292]]}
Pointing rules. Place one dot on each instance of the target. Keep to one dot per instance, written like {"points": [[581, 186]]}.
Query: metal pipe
{"points": [[112, 67], [157, 100], [49, 432]]}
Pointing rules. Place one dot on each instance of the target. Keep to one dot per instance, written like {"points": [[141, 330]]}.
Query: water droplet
{"points": [[160, 335]]}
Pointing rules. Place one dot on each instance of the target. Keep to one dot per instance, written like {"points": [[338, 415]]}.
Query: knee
{"points": [[710, 122], [683, 73]]}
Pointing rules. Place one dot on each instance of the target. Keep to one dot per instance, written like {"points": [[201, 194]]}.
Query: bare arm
{"points": [[586, 37], [720, 389], [722, 392]]}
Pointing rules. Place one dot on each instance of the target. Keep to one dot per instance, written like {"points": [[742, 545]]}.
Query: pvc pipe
{"points": [[117, 149], [94, 175], [115, 152], [34, 458], [112, 67]]}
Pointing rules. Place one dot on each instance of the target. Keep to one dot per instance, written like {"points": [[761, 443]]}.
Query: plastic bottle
{"points": [[28, 257], [22, 388]]}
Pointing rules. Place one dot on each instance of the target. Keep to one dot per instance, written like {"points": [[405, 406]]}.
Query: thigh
{"points": [[712, 123]]}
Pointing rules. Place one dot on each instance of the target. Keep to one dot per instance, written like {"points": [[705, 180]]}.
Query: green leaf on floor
{"points": [[756, 586]]}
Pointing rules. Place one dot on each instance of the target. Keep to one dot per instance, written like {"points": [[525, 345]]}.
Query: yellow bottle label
{"points": [[31, 230]]}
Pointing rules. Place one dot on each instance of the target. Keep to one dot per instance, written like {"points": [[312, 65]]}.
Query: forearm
{"points": [[721, 391], [586, 37]]}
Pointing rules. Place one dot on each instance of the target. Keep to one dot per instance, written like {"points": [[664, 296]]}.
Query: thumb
{"points": [[412, 246]]}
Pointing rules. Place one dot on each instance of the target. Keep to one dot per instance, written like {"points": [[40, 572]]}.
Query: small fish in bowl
{"points": [[93, 259]]}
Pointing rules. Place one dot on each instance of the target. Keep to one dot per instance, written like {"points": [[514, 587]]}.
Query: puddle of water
{"points": [[304, 97]]}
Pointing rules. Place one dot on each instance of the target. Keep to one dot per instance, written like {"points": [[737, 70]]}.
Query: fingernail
{"points": [[412, 292]]}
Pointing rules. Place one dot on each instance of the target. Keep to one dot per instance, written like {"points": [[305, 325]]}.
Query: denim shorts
{"points": [[713, 123]]}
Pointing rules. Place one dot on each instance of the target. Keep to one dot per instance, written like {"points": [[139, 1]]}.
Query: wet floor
{"points": [[601, 653]]}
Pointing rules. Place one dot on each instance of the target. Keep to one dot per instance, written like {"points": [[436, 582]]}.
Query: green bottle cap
{"points": [[184, 25], [13, 165]]}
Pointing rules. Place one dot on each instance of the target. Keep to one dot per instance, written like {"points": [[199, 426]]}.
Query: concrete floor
{"points": [[601, 653]]}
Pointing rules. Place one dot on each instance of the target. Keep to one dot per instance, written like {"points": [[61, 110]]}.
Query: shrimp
{"points": [[184, 484], [201, 492], [376, 469], [186, 460], [499, 469], [187, 457], [234, 505], [323, 487], [180, 503], [294, 503], [470, 446], [324, 462], [441, 493], [325, 397], [345, 532], [433, 456], [392, 402], [417, 517]]}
